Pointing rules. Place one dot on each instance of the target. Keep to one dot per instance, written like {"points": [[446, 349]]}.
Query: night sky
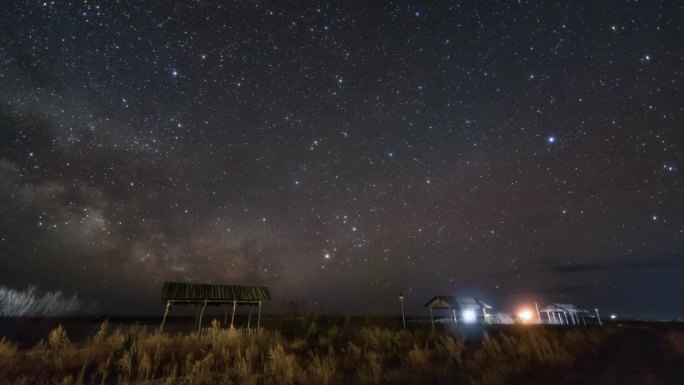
{"points": [[343, 152]]}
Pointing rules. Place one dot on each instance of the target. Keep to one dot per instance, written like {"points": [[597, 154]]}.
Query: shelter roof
{"points": [[195, 293], [454, 302]]}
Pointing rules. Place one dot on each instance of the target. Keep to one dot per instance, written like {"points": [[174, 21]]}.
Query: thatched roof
{"points": [[199, 293], [454, 302]]}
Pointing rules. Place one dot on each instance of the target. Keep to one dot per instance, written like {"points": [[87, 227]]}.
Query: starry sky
{"points": [[343, 152]]}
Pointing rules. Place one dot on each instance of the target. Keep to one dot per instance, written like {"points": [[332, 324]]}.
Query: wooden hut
{"points": [[466, 310], [201, 295], [564, 314]]}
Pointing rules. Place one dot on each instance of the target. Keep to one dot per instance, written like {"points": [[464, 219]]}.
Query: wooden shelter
{"points": [[564, 314], [465, 309], [201, 295]]}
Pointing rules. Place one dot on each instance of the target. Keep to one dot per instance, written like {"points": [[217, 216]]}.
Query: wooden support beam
{"points": [[249, 317], [199, 325], [166, 312], [259, 318], [232, 318], [432, 320]]}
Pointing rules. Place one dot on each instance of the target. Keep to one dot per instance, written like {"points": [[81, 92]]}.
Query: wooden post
{"points": [[201, 314], [455, 319], [566, 318], [225, 317], [259, 318], [249, 317], [166, 312], [232, 318], [432, 320]]}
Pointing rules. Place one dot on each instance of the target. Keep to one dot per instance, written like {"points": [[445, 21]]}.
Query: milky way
{"points": [[344, 152]]}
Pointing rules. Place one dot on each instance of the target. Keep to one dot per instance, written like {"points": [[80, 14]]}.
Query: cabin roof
{"points": [[455, 302]]}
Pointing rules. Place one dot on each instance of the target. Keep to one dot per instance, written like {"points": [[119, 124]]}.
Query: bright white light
{"points": [[612, 316], [552, 139], [525, 315], [469, 316]]}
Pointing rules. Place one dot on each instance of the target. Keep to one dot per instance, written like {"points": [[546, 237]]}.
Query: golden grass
{"points": [[371, 355]]}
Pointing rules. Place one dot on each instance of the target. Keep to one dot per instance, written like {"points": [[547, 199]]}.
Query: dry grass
{"points": [[370, 355]]}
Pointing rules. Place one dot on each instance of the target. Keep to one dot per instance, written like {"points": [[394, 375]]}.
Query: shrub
{"points": [[323, 369], [281, 367]]}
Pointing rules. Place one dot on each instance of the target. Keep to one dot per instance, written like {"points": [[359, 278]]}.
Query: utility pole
{"points": [[403, 318]]}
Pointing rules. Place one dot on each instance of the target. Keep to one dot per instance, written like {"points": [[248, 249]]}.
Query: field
{"points": [[312, 350]]}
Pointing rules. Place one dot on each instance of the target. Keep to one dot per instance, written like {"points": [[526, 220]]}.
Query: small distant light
{"points": [[613, 316], [551, 139], [327, 256]]}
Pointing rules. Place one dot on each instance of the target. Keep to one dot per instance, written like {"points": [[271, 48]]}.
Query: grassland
{"points": [[311, 351]]}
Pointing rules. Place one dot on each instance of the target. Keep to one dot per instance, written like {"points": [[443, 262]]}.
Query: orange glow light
{"points": [[525, 315]]}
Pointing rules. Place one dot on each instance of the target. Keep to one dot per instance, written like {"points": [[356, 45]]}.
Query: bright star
{"points": [[551, 139]]}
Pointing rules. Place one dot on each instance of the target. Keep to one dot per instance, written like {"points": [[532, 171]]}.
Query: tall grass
{"points": [[371, 355]]}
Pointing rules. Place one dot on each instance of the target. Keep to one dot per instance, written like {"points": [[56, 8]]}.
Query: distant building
{"points": [[465, 310], [563, 314]]}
